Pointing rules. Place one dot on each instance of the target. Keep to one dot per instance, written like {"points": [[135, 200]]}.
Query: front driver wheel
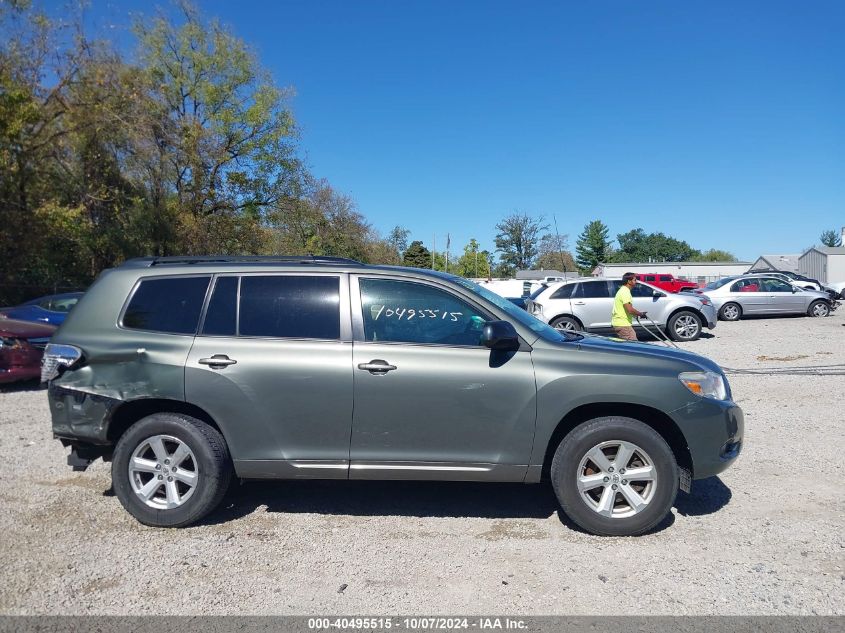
{"points": [[818, 309], [566, 323], [615, 476], [170, 470], [684, 326]]}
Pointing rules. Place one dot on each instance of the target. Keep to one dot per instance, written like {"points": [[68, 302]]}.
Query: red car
{"points": [[666, 282], [21, 345]]}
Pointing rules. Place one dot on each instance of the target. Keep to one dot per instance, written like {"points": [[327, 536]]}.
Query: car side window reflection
{"points": [[407, 312]]}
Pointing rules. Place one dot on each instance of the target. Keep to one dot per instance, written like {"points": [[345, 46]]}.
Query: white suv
{"points": [[586, 304]]}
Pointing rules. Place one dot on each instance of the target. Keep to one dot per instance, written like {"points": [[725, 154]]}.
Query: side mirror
{"points": [[657, 294], [500, 335], [794, 289]]}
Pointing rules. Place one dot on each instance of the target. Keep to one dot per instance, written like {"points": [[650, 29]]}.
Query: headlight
{"points": [[56, 357], [706, 384]]}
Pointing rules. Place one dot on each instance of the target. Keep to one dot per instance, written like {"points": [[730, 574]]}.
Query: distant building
{"points": [[777, 262], [546, 275], [825, 263], [699, 272]]}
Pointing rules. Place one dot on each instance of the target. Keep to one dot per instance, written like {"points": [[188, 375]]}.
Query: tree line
{"points": [[188, 147]]}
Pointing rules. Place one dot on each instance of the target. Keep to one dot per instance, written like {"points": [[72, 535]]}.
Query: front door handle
{"points": [[377, 367], [218, 361], [580, 303]]}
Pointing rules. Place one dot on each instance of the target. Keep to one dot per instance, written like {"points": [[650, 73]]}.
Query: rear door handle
{"points": [[218, 361], [377, 367]]}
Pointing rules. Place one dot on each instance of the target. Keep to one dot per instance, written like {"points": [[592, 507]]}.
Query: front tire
{"points": [[730, 312], [615, 476], [170, 470], [684, 326], [818, 309], [566, 323]]}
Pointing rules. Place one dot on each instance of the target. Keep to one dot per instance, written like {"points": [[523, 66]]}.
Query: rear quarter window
{"points": [[167, 305]]}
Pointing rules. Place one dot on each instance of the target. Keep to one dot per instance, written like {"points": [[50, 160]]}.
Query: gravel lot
{"points": [[766, 537]]}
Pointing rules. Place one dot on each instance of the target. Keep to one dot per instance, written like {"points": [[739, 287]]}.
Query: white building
{"points": [[699, 272], [825, 263]]}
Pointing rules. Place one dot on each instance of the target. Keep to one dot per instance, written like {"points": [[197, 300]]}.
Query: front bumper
{"points": [[715, 431]]}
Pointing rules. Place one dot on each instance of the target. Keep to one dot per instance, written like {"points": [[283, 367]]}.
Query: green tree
{"points": [[638, 246], [592, 246], [473, 262], [714, 255], [398, 239], [517, 241], [417, 255], [830, 238], [221, 139]]}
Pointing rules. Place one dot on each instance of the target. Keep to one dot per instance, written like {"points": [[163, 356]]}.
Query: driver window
{"points": [[408, 312], [776, 285]]}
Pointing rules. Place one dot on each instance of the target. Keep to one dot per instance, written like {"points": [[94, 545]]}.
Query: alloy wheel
{"points": [[686, 326], [163, 472], [617, 479]]}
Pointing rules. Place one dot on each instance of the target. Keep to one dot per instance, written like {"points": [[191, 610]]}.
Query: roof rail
{"points": [[239, 259]]}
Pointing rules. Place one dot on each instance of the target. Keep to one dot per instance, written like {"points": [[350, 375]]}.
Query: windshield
{"points": [[518, 314], [538, 292], [718, 284]]}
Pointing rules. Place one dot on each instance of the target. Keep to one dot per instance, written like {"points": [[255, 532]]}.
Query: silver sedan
{"points": [[735, 297]]}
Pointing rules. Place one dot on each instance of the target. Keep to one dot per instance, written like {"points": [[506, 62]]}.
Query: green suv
{"points": [[187, 371]]}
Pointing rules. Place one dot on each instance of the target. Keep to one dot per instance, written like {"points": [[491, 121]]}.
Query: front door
{"points": [[430, 401], [781, 298], [272, 365]]}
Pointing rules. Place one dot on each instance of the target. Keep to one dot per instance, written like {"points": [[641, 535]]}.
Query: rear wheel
{"points": [[170, 470], [818, 309], [684, 326], [615, 476], [566, 323], [730, 312]]}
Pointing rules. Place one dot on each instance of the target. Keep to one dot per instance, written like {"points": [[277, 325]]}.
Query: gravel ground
{"points": [[764, 538]]}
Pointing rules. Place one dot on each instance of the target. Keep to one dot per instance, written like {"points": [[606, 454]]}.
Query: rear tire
{"points": [[636, 505], [818, 309], [170, 470], [684, 326], [566, 323], [730, 312]]}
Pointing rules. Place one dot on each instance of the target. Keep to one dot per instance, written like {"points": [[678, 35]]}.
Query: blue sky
{"points": [[720, 123]]}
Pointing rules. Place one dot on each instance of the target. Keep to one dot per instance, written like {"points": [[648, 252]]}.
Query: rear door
{"points": [[272, 364], [592, 303], [431, 402], [749, 294]]}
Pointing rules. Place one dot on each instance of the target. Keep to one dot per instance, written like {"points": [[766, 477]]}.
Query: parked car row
{"points": [[586, 303], [25, 330]]}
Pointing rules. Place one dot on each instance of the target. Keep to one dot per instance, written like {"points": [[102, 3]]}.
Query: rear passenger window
{"points": [[594, 290], [564, 292], [167, 305], [664, 278], [221, 316], [288, 306], [651, 278]]}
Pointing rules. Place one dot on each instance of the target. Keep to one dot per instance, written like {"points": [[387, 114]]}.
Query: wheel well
{"points": [[697, 313], [129, 413], [654, 418]]}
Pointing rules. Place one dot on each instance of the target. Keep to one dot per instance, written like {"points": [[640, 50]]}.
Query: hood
{"points": [[647, 351], [25, 329]]}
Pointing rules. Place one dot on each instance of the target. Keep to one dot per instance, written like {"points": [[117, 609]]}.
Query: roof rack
{"points": [[239, 259]]}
